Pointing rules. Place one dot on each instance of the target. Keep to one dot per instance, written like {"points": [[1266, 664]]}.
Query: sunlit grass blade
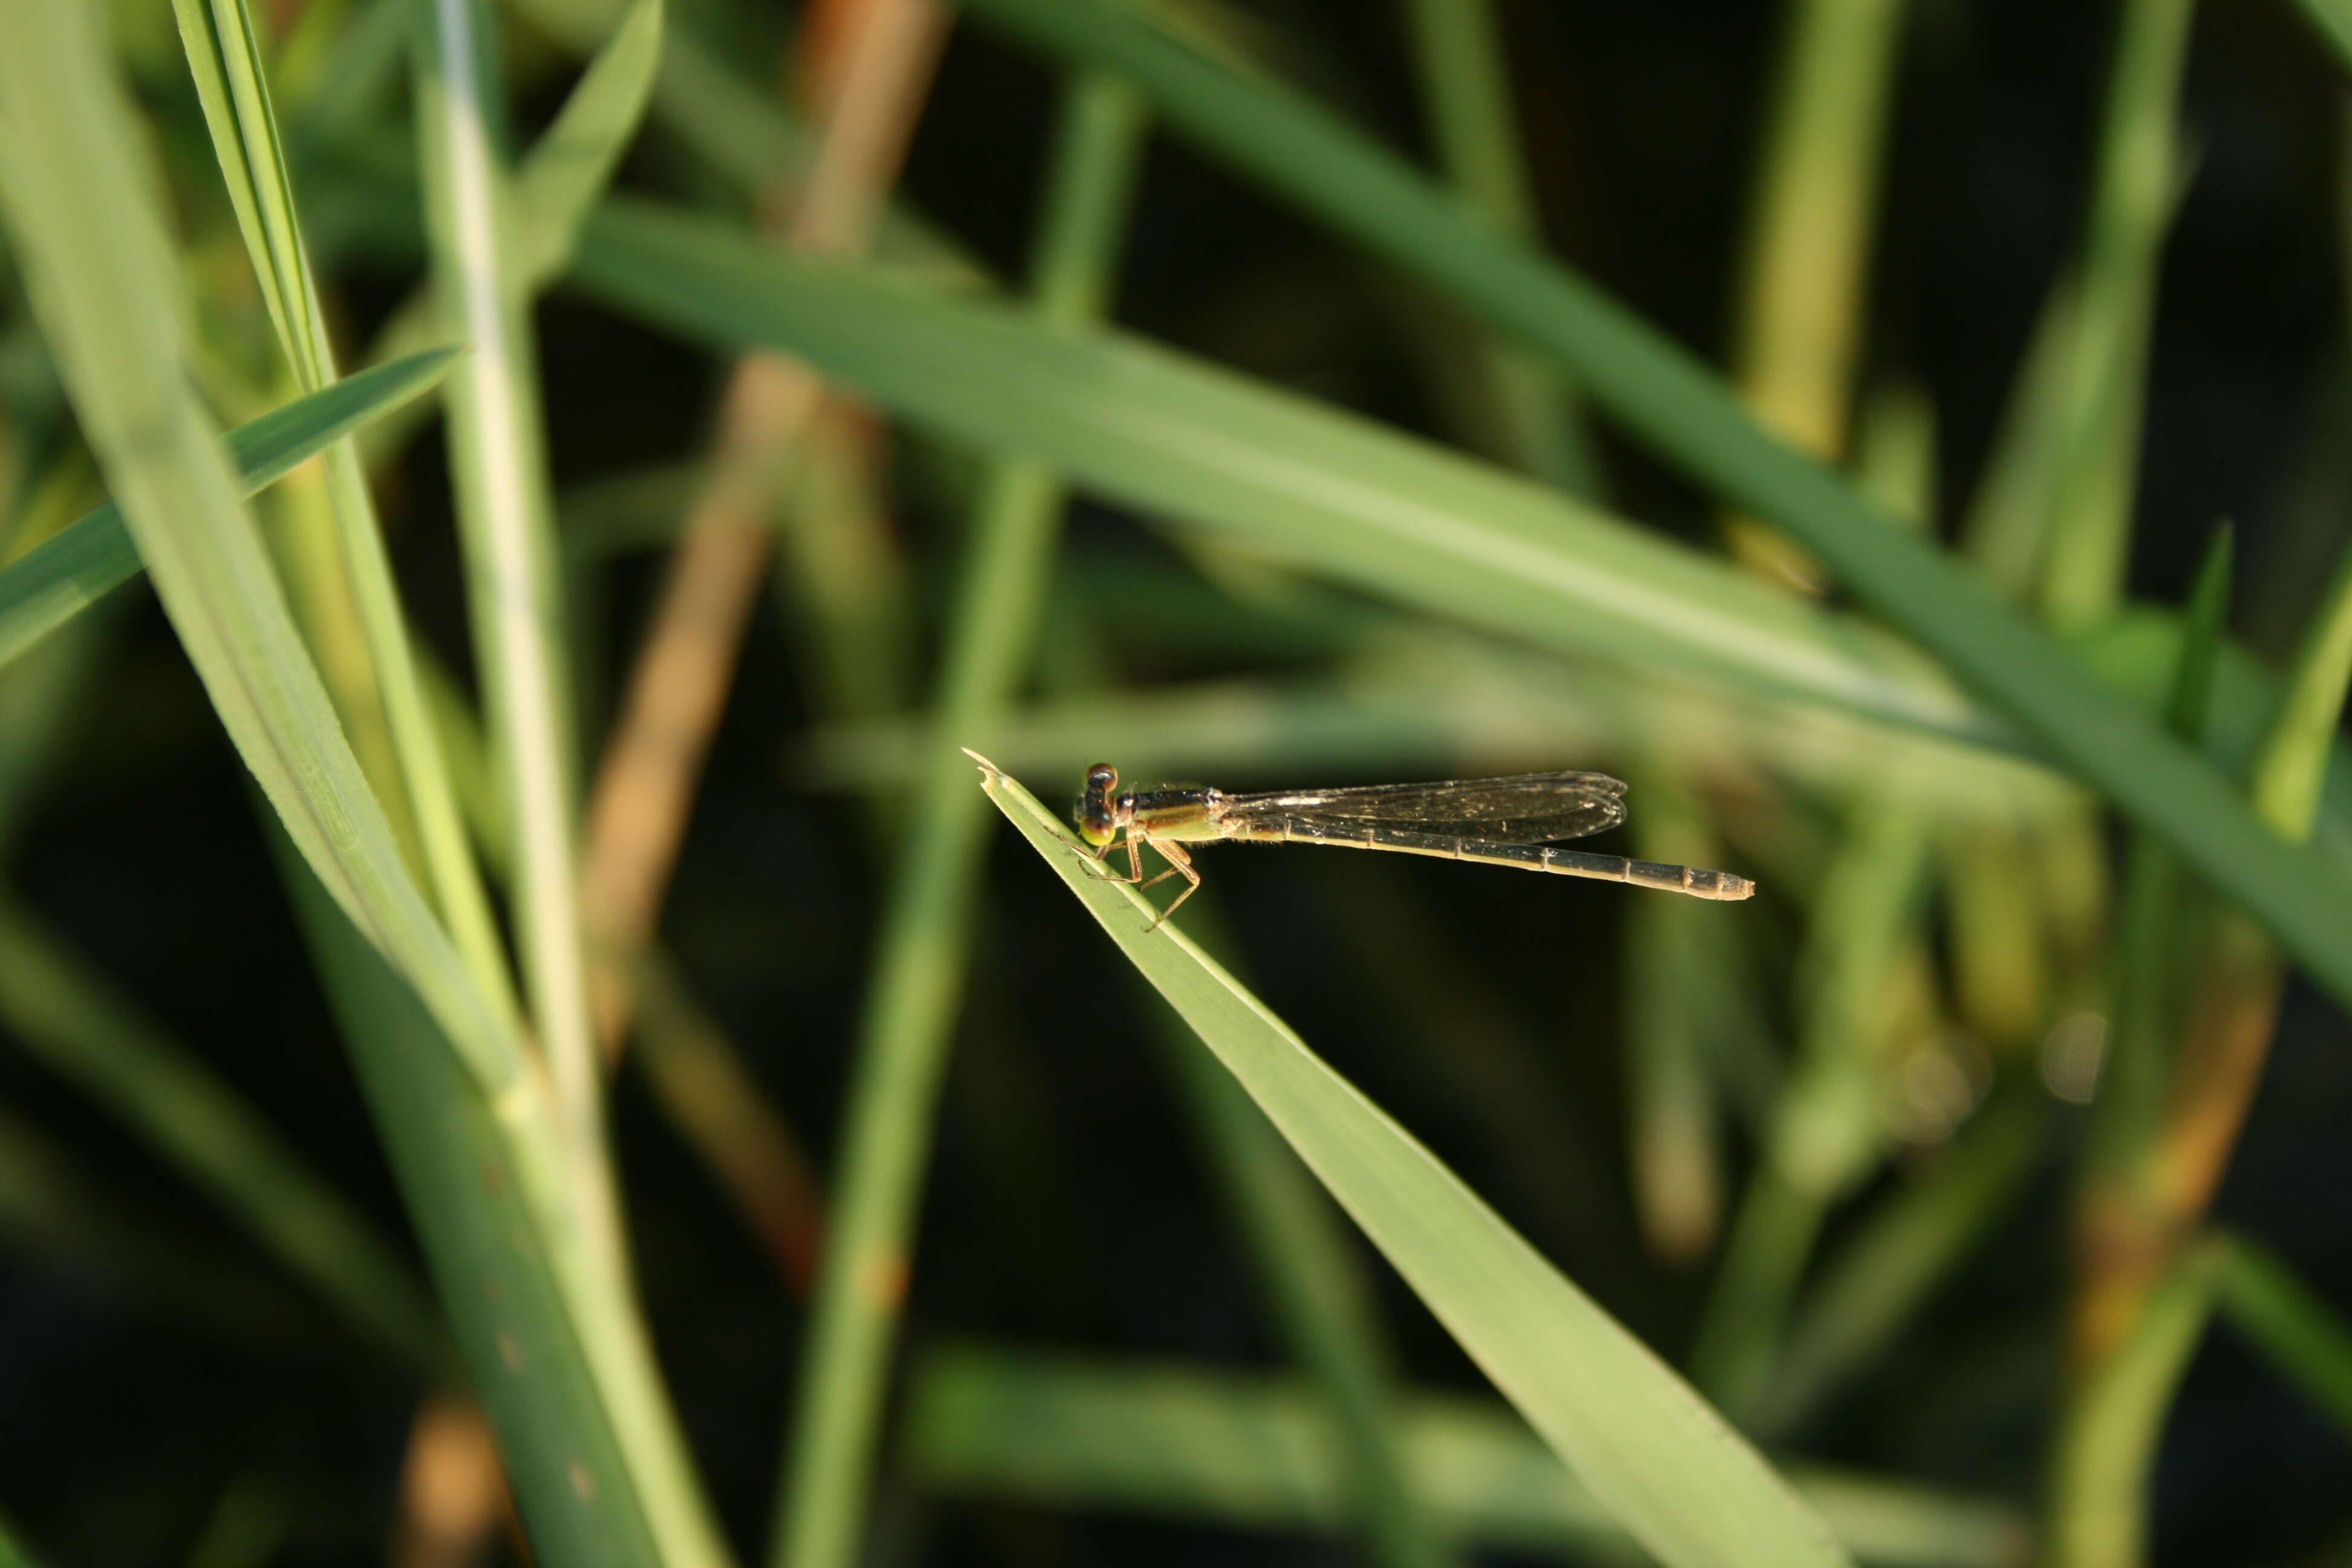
{"points": [[371, 668], [92, 556], [1672, 404], [1316, 486], [97, 250], [559, 178], [1203, 1444], [1806, 262], [1680, 1482], [1311, 1276], [498, 464], [67, 1017]]}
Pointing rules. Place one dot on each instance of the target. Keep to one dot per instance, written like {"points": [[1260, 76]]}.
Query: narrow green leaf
{"points": [[2107, 1446], [95, 555], [1350, 498], [1197, 1443], [2099, 408], [2306, 1339], [1682, 1483], [489, 1254], [569, 166], [2290, 773], [498, 462], [1678, 407]]}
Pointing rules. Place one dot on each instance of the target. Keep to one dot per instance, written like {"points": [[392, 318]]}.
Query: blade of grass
{"points": [[1196, 1443], [1807, 255], [2100, 415], [1314, 1281], [1466, 96], [1910, 1244], [1355, 501], [498, 464], [498, 1279], [2099, 1478], [1676, 1004], [1364, 504], [95, 555], [381, 690], [67, 1017], [1828, 1127], [1682, 1483], [564, 172], [97, 255], [2123, 1231], [2300, 1334], [1674, 404], [916, 983], [2236, 997]]}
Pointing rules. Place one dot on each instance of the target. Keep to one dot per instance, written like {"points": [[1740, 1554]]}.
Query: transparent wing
{"points": [[1524, 808]]}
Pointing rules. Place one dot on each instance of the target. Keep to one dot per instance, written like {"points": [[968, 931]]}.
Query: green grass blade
{"points": [[1670, 402], [569, 168], [1365, 504], [498, 1279], [498, 463], [1680, 1480], [2302, 1336], [67, 1017], [1310, 1272], [2121, 1219], [2290, 773], [95, 555], [96, 249], [2107, 1446], [2100, 409], [378, 685], [1677, 1008], [914, 991], [1805, 287], [1465, 94], [1196, 1443]]}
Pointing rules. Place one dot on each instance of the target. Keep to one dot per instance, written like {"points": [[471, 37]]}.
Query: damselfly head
{"points": [[1096, 813]]}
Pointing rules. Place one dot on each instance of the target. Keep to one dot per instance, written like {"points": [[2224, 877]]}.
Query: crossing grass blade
{"points": [[1190, 1442], [1349, 498], [95, 555], [1679, 1480]]}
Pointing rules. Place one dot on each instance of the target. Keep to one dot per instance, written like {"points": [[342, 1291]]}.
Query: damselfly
{"points": [[1509, 821]]}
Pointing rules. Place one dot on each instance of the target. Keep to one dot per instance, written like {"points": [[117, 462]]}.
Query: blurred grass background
{"points": [[1984, 1170]]}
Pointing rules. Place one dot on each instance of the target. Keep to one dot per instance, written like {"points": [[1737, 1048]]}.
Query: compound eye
{"points": [[1094, 813]]}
